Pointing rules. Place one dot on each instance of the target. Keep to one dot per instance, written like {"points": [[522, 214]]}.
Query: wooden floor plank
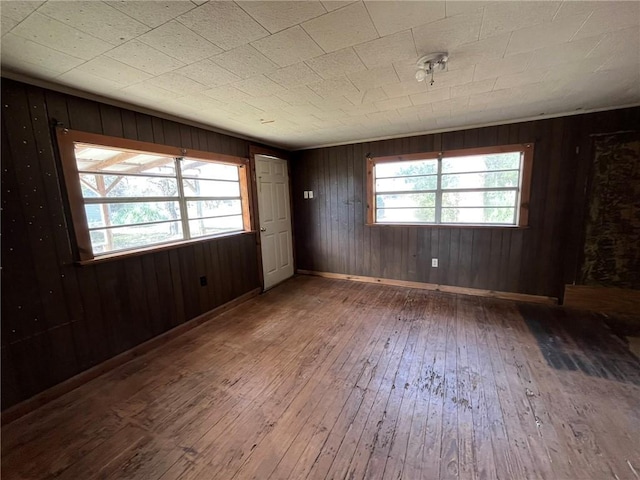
{"points": [[572, 404], [251, 422], [464, 395], [354, 449], [326, 385], [543, 438], [507, 460], [483, 455], [518, 422], [386, 434], [449, 454], [433, 440], [329, 434], [402, 440], [322, 378]]}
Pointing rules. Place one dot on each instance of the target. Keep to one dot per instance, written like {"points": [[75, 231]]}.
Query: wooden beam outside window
{"points": [[67, 141]]}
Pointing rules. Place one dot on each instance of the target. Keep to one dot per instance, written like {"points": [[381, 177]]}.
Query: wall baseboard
{"points": [[520, 297], [602, 299], [46, 396]]}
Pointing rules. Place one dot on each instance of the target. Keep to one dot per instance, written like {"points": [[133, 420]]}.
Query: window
{"points": [[127, 195], [481, 186]]}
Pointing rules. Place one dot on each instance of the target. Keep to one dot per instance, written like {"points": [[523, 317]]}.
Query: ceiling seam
{"points": [[581, 27], [371, 19]]}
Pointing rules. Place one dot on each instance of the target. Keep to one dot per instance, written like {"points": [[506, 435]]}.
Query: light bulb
{"points": [[420, 75]]}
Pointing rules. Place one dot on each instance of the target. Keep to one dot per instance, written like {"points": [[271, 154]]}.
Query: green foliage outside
{"points": [[135, 213], [128, 213], [501, 179], [425, 201], [487, 211]]}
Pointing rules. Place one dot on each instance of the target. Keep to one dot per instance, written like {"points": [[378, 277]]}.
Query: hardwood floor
{"points": [[323, 378]]}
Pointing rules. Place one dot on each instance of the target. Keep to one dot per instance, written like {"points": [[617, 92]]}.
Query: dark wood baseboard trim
{"points": [[602, 299], [519, 297], [31, 404]]}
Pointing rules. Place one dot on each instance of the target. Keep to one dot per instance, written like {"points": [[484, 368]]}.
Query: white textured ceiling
{"points": [[300, 74]]}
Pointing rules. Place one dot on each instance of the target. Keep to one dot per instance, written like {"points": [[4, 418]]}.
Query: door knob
{"points": [[263, 229]]}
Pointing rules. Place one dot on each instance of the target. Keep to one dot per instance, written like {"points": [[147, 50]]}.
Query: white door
{"points": [[275, 219]]}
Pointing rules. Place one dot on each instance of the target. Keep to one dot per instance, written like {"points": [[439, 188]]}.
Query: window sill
{"points": [[447, 225], [156, 248]]}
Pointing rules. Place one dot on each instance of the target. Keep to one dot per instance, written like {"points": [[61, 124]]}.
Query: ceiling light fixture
{"points": [[429, 64]]}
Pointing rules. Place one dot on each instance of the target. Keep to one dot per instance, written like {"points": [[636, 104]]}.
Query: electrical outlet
{"points": [[310, 193], [203, 281], [434, 262], [306, 194]]}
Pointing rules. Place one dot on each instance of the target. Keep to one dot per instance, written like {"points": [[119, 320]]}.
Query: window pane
{"points": [[501, 215], [98, 159], [401, 169], [414, 200], [479, 163], [481, 180], [213, 171], [89, 188], [103, 215], [212, 226], [506, 198], [136, 236], [210, 188], [112, 186], [214, 208], [406, 215], [98, 241], [406, 184], [133, 199]]}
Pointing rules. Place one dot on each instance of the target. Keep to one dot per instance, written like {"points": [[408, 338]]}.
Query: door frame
{"points": [[282, 155]]}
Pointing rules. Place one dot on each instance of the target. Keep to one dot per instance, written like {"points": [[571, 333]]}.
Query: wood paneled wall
{"points": [[59, 319], [332, 236]]}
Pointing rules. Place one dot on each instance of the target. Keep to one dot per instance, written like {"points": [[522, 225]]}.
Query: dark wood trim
{"points": [[72, 383], [477, 292]]}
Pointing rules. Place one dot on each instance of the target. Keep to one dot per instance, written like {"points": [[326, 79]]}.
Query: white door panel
{"points": [[282, 201], [275, 219], [266, 203], [269, 254], [284, 249]]}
